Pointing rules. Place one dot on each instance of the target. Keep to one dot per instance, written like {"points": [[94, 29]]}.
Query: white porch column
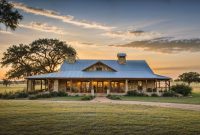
{"points": [[55, 85], [126, 86]]}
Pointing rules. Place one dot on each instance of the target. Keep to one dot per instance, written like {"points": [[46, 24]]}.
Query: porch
{"points": [[99, 86]]}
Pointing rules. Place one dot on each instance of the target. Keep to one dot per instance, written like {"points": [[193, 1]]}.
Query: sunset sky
{"points": [[165, 33]]}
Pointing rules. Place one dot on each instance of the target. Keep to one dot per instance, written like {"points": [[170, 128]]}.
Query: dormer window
{"points": [[99, 69]]}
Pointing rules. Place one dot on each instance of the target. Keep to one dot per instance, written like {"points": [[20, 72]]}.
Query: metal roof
{"points": [[131, 65], [134, 69], [100, 74]]}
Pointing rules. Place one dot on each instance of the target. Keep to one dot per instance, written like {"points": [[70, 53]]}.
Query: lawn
{"points": [[195, 99], [48, 117], [68, 98]]}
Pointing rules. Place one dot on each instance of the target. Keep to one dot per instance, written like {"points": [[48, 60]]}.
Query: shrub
{"points": [[169, 94], [43, 95], [149, 89], [62, 94], [87, 98], [135, 93], [22, 94], [154, 95], [32, 97], [182, 89], [132, 93], [113, 97]]}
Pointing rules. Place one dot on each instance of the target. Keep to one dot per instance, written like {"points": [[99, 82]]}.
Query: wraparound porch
{"points": [[99, 86]]}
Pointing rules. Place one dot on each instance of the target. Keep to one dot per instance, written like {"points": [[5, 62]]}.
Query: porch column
{"points": [[55, 85], [40, 84], [33, 85], [126, 86], [108, 89], [29, 85], [70, 86], [92, 89], [146, 85]]}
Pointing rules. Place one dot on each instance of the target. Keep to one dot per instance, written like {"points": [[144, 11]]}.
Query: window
{"points": [[98, 68]]}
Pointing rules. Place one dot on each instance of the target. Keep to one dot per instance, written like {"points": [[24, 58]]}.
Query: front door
{"points": [[99, 87]]}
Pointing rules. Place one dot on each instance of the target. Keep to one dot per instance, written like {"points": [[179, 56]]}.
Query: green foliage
{"points": [[135, 93], [22, 94], [41, 56], [32, 97], [189, 77], [113, 97], [87, 98], [12, 95], [169, 94], [182, 89], [154, 95], [8, 16]]}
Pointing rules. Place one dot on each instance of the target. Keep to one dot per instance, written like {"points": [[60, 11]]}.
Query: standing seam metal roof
{"points": [[132, 69]]}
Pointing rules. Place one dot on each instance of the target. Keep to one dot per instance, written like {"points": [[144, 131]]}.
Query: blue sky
{"points": [[101, 28]]}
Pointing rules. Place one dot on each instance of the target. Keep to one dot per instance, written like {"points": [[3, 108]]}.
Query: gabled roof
{"points": [[98, 63], [131, 65]]}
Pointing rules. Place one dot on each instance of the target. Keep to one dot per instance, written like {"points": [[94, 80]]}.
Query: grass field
{"points": [[47, 117], [195, 99]]}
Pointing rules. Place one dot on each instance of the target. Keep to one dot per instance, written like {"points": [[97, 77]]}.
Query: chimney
{"points": [[121, 58], [71, 58]]}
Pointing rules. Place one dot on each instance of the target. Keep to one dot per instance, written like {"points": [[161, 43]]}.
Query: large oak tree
{"points": [[41, 56], [8, 16], [189, 77]]}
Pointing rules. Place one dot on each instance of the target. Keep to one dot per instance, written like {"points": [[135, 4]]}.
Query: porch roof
{"points": [[100, 75]]}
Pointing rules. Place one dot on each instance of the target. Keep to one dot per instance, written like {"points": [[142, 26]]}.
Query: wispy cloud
{"points": [[43, 27], [65, 18], [165, 45], [133, 35], [5, 32], [193, 67]]}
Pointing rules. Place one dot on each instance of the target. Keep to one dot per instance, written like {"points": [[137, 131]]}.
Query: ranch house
{"points": [[102, 77]]}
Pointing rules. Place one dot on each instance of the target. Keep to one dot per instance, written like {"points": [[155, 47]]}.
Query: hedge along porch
{"points": [[101, 77]]}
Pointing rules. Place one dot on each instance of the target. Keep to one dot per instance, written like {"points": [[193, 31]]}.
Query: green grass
{"points": [[195, 99], [48, 118], [68, 98]]}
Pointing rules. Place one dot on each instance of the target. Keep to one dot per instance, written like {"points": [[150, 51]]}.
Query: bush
{"points": [[43, 95], [113, 97], [149, 89], [62, 94], [135, 93], [169, 94], [182, 89], [22, 94], [154, 95], [32, 97], [87, 98]]}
